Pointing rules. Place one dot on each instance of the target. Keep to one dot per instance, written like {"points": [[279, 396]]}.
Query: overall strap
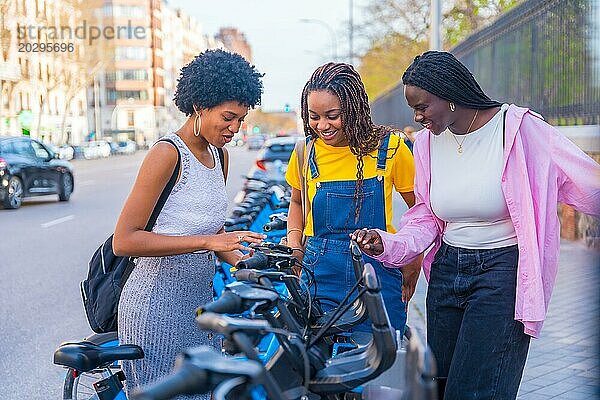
{"points": [[382, 156], [302, 174], [312, 160]]}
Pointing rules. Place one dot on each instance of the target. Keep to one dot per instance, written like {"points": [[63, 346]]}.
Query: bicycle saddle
{"points": [[86, 356]]}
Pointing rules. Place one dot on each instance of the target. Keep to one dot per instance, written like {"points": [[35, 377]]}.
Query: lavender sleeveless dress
{"points": [[158, 302]]}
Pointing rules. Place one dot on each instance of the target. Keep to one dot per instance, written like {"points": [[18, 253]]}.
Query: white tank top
{"points": [[465, 187], [198, 202]]}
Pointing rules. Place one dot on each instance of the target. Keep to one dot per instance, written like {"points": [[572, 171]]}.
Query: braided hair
{"points": [[363, 136], [441, 74]]}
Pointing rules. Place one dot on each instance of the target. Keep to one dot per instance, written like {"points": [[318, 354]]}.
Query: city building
{"points": [[42, 63], [123, 94], [112, 71], [235, 41], [134, 96]]}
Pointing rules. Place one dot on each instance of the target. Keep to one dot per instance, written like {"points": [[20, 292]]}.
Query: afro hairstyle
{"points": [[217, 76]]}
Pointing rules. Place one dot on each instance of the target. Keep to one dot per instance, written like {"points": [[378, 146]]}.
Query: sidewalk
{"points": [[565, 362]]}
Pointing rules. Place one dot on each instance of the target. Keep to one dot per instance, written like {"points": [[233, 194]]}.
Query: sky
{"points": [[286, 50]]}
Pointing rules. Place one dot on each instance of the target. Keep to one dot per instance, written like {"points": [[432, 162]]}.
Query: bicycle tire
{"points": [[77, 388]]}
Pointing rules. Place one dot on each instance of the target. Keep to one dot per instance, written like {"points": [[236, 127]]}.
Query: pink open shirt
{"points": [[541, 168]]}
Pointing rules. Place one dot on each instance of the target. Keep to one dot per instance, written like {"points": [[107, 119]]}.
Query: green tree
{"points": [[401, 31], [381, 67]]}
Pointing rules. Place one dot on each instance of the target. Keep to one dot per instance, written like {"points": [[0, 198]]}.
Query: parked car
{"points": [[238, 140], [28, 168], [114, 148], [64, 152], [255, 142], [96, 149], [126, 147], [78, 152], [272, 160]]}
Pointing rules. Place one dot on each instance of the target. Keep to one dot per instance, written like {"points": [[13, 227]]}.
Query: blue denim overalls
{"points": [[327, 253]]}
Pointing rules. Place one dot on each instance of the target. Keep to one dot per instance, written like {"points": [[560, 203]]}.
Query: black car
{"points": [[28, 168], [272, 159]]}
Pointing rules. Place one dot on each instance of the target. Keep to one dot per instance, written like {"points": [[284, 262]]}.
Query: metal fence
{"points": [[543, 54]]}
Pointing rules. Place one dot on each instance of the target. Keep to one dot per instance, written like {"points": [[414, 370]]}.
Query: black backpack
{"points": [[108, 273]]}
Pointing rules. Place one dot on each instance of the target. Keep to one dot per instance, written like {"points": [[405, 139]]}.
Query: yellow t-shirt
{"points": [[339, 164]]}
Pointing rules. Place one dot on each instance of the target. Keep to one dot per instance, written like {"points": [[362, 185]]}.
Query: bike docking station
{"points": [[278, 342]]}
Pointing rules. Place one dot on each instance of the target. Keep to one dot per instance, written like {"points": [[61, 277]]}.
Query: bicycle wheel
{"points": [[79, 386]]}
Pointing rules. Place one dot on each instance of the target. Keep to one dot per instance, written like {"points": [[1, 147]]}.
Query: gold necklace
{"points": [[460, 148]]}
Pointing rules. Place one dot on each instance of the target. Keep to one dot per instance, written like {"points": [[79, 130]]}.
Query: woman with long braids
{"points": [[488, 179], [351, 167]]}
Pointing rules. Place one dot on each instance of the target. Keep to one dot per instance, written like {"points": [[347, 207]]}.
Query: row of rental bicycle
{"points": [[277, 341]]}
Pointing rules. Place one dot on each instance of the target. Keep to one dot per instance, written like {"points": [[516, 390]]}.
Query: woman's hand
{"points": [[410, 275], [368, 240], [233, 240], [233, 257]]}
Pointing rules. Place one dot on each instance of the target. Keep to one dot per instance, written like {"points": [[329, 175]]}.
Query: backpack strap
{"points": [[222, 161], [166, 191], [504, 129]]}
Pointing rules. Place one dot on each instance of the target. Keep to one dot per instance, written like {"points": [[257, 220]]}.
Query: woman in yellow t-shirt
{"points": [[351, 169]]}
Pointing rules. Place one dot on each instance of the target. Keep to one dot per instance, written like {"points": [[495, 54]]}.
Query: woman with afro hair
{"points": [[176, 260]]}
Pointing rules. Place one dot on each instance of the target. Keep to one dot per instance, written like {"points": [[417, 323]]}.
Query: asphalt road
{"points": [[44, 250]]}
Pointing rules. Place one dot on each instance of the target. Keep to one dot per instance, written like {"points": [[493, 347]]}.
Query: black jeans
{"points": [[478, 345]]}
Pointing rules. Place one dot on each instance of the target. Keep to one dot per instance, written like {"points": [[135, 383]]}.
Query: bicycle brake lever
{"points": [[269, 248]]}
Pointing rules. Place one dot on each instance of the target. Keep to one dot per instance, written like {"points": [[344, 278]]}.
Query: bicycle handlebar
{"points": [[252, 275], [227, 325], [199, 370], [228, 303], [257, 261], [272, 248], [188, 379], [275, 225]]}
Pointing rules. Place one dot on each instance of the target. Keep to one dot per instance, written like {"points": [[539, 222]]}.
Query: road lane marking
{"points": [[87, 183], [58, 221]]}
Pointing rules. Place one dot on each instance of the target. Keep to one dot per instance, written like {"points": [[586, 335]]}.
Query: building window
{"points": [[128, 75], [126, 11], [126, 94], [131, 53], [130, 119]]}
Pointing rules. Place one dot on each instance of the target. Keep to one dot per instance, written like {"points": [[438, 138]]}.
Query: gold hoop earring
{"points": [[452, 107], [197, 124]]}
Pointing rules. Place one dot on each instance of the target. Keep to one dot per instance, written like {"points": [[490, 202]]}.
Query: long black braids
{"points": [[441, 74], [363, 136]]}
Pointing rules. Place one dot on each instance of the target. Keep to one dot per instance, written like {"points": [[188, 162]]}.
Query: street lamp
{"points": [[435, 41], [329, 29], [351, 32]]}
